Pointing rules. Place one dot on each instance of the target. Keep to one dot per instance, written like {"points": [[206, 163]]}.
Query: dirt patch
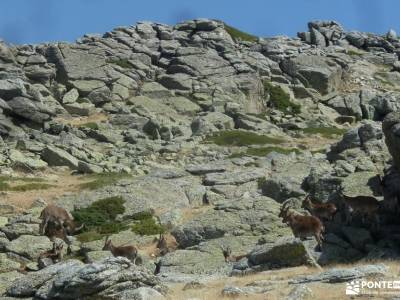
{"points": [[78, 121], [62, 182]]}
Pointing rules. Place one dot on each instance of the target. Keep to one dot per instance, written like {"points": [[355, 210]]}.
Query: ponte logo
{"points": [[353, 288]]}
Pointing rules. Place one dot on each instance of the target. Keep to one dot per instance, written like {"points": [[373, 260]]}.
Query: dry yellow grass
{"points": [[78, 121], [212, 290]]}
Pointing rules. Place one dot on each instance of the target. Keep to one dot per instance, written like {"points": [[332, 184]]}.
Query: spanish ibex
{"points": [[227, 252], [56, 222], [58, 216], [322, 211], [303, 226], [128, 251], [55, 254], [165, 245], [363, 205]]}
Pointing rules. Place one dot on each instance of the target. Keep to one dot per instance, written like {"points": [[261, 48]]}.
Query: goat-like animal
{"points": [[322, 211], [128, 251], [58, 215], [164, 246], [55, 254], [227, 252], [363, 205], [303, 226]]}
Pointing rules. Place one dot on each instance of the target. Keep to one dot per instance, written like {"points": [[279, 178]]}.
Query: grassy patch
{"points": [[123, 63], [354, 53], [326, 132], [30, 187], [90, 125], [103, 179], [99, 218], [29, 184], [148, 227], [146, 224], [240, 138], [261, 181], [238, 35], [280, 100]]}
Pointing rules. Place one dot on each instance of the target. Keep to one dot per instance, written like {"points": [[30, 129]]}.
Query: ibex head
{"points": [[226, 251], [107, 244]]}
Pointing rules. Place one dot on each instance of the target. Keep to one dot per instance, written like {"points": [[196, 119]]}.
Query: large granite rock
{"points": [[111, 278]]}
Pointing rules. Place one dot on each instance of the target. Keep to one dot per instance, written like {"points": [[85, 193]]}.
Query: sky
{"points": [[36, 21]]}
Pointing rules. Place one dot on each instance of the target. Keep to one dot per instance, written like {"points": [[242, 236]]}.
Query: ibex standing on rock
{"points": [[128, 251], [366, 206], [303, 226], [58, 215], [55, 254], [164, 246], [56, 222], [322, 211], [227, 252]]}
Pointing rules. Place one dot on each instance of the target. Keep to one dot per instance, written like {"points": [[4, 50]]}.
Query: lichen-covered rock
{"points": [[37, 245], [285, 252], [111, 278]]}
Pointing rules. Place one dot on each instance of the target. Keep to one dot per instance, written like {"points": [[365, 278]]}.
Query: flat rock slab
{"points": [[342, 275], [29, 246], [205, 169], [237, 177]]}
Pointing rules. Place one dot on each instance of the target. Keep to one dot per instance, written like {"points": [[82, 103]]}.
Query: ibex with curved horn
{"points": [[363, 205], [303, 226], [128, 251], [322, 211]]}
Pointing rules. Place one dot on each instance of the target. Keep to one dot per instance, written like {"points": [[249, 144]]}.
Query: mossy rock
{"points": [[280, 100], [238, 35]]}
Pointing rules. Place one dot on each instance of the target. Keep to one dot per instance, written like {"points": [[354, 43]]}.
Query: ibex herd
{"points": [[305, 226], [58, 223]]}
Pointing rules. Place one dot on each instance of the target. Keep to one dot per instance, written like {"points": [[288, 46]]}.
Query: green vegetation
{"points": [[103, 179], [146, 224], [261, 181], [354, 53], [326, 132], [123, 63], [99, 218], [238, 35], [29, 184], [148, 227], [240, 138], [280, 100], [90, 125]]}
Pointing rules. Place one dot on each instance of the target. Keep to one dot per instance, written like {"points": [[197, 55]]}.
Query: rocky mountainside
{"points": [[199, 131]]}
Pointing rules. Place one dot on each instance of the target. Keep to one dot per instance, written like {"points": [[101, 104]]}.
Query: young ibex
{"points": [[55, 254], [227, 252], [164, 246], [58, 215], [322, 211], [303, 226], [366, 206], [127, 251]]}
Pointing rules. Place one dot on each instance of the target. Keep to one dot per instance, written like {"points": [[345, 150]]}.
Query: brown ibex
{"points": [[227, 252], [58, 215], [55, 254], [363, 205], [303, 226], [127, 251], [56, 222], [164, 246], [322, 211]]}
